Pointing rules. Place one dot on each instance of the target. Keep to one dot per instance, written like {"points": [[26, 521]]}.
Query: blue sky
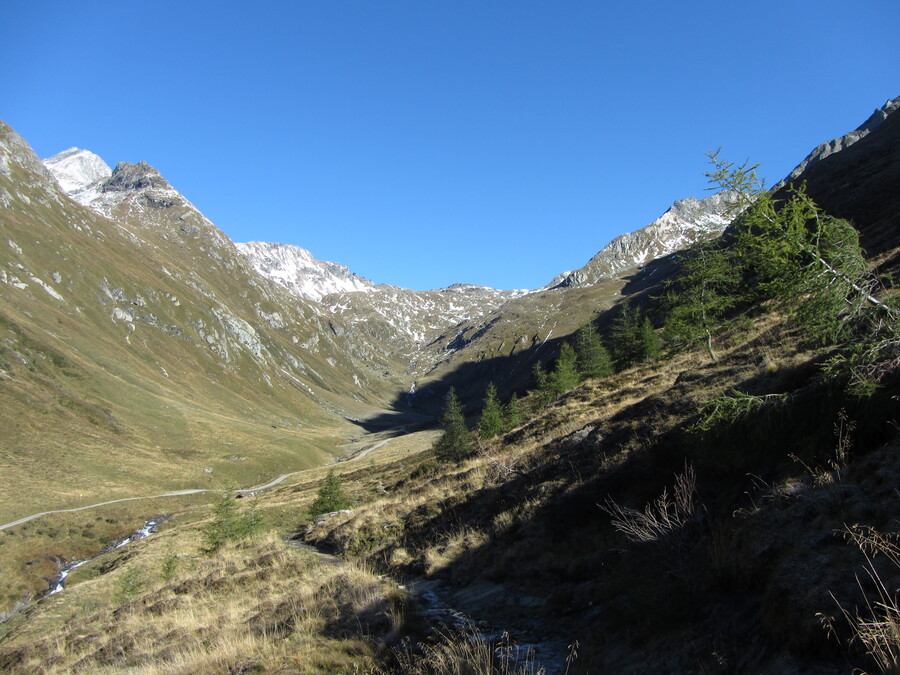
{"points": [[428, 143]]}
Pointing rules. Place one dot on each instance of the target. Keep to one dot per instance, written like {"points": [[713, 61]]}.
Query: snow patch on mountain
{"points": [[410, 320], [78, 172], [298, 271]]}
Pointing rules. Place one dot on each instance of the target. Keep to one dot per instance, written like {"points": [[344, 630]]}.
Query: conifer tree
{"points": [[649, 348], [228, 523], [512, 413], [704, 290], [633, 338], [455, 444], [593, 358], [491, 422], [543, 392], [802, 258], [564, 377], [330, 497]]}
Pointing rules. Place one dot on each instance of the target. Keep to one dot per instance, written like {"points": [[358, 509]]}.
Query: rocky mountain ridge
{"points": [[684, 224], [835, 145], [299, 272], [427, 328]]}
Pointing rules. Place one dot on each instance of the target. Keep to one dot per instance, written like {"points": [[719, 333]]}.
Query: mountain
{"points": [[857, 176], [299, 272], [403, 320], [435, 331], [139, 350], [684, 224], [78, 172]]}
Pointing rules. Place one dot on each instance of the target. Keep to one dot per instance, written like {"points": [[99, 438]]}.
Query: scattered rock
{"points": [[324, 517]]}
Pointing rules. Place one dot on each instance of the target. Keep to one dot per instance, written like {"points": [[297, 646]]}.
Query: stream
{"points": [[58, 583], [438, 604], [512, 646]]}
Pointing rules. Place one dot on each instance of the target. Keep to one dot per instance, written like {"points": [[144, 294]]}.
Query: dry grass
{"points": [[257, 604], [877, 627], [662, 517], [468, 653]]}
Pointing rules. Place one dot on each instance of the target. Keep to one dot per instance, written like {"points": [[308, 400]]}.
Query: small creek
{"points": [[514, 644], [58, 583], [437, 604]]}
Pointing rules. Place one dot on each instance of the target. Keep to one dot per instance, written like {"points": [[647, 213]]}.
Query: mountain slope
{"points": [[858, 177], [504, 344], [140, 351], [854, 177]]}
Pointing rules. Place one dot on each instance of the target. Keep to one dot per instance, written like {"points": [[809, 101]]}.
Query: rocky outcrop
{"points": [[127, 176]]}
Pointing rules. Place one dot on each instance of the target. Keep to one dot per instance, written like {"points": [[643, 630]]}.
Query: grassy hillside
{"points": [[141, 354], [540, 533], [726, 504]]}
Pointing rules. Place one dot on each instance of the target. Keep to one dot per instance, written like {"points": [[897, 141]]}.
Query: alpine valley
{"points": [[143, 354]]}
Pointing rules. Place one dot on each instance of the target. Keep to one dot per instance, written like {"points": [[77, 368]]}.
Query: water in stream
{"points": [[58, 583]]}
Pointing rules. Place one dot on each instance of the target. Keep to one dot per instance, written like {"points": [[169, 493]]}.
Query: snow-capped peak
{"points": [[76, 170]]}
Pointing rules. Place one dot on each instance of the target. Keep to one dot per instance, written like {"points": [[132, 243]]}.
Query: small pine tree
{"points": [[455, 444], [131, 583], [513, 415], [330, 497], [649, 348], [169, 566], [543, 393], [622, 337], [491, 422], [564, 377], [228, 524], [593, 358]]}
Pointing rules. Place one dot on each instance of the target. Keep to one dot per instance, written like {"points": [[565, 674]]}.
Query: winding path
{"points": [[180, 493]]}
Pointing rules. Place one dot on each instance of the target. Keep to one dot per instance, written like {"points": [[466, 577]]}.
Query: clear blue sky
{"points": [[425, 143]]}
